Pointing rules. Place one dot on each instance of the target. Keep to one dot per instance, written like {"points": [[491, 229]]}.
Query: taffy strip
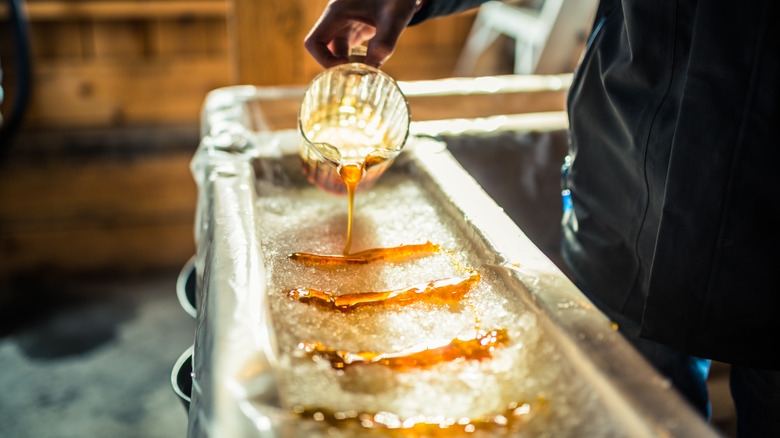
{"points": [[516, 416], [367, 256], [419, 356], [445, 291]]}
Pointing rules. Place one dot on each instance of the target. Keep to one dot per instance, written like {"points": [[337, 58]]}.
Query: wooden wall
{"points": [[267, 36], [99, 177], [134, 62], [113, 63], [109, 211]]}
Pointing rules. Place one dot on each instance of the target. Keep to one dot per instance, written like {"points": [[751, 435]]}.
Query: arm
{"points": [[347, 23]]}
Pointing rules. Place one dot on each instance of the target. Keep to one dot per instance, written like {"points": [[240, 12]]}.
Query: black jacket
{"points": [[675, 220], [672, 114]]}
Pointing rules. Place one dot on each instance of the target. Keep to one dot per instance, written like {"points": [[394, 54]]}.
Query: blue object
{"points": [[565, 192]]}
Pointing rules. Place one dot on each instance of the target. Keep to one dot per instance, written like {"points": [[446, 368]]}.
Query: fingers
{"points": [[339, 47], [345, 23], [328, 40], [324, 43]]}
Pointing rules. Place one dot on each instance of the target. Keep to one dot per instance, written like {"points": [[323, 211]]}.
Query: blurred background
{"points": [[100, 118], [96, 176]]}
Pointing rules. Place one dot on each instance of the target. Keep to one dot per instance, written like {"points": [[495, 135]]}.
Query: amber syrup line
{"points": [[416, 357], [326, 300], [444, 291], [514, 417], [366, 256], [351, 197], [351, 173]]}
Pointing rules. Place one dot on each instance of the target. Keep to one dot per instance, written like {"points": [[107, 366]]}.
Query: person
{"points": [[672, 227]]}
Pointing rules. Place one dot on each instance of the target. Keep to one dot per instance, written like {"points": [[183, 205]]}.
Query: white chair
{"points": [[548, 38]]}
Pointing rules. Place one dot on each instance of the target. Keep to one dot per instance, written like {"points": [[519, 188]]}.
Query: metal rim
{"points": [[177, 367], [181, 287]]}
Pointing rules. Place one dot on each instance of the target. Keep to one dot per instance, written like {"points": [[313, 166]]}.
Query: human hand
{"points": [[347, 23]]}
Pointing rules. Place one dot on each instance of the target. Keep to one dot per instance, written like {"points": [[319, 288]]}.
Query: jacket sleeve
{"points": [[439, 8]]}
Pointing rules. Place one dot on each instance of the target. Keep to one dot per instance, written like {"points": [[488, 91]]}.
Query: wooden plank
{"points": [[68, 192], [97, 93], [99, 214], [69, 38], [120, 10], [109, 71], [173, 38], [124, 40], [131, 41], [56, 40], [266, 40], [98, 248], [103, 67], [267, 44]]}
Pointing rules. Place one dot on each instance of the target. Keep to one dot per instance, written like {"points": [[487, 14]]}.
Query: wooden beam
{"points": [[266, 40], [98, 93], [121, 10], [85, 215]]}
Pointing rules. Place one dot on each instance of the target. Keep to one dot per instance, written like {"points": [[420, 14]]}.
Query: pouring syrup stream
{"points": [[351, 173]]}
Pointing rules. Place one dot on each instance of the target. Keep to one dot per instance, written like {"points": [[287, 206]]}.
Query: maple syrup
{"points": [[420, 356], [349, 138], [367, 256], [324, 170], [351, 174], [344, 175], [445, 291], [512, 419]]}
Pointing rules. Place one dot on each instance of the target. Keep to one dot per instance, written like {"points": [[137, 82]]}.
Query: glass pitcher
{"points": [[351, 115]]}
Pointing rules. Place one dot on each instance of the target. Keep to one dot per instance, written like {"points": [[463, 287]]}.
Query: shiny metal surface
{"points": [[236, 384]]}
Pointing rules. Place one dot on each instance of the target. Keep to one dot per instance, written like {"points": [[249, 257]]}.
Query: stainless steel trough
{"points": [[565, 370]]}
